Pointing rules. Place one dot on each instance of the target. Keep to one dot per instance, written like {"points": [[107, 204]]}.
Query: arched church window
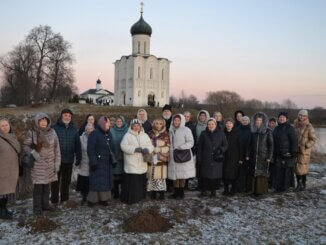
{"points": [[138, 72], [151, 73], [162, 94], [138, 47], [162, 74], [144, 47], [139, 93]]}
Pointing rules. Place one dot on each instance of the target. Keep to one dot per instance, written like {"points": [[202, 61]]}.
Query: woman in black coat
{"points": [[285, 153], [210, 155], [245, 134], [233, 157], [259, 154]]}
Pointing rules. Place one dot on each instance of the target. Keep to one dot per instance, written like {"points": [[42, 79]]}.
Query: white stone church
{"points": [[141, 79]]}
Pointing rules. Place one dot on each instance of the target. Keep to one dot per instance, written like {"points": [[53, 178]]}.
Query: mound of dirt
{"points": [[147, 221], [41, 224]]}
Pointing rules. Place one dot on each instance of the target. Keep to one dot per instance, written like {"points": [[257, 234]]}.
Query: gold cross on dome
{"points": [[142, 7]]}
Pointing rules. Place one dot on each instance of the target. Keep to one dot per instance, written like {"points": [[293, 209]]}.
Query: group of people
{"points": [[130, 160]]}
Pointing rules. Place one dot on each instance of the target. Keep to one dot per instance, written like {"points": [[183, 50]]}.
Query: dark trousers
{"points": [[41, 197], [63, 183], [116, 188], [284, 178], [3, 203]]}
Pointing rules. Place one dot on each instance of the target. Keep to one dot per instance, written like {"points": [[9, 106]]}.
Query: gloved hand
{"points": [[138, 150], [35, 154], [93, 167], [114, 164], [145, 151]]}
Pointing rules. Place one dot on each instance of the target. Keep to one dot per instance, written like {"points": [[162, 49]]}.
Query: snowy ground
{"points": [[289, 218]]}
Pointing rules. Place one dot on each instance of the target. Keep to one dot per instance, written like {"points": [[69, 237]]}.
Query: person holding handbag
{"points": [[210, 155], [9, 166], [157, 168], [47, 160], [181, 163]]}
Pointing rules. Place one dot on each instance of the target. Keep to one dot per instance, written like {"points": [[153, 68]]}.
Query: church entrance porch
{"points": [[151, 100]]}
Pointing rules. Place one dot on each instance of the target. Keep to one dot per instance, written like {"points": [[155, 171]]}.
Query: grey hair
{"points": [[187, 113]]}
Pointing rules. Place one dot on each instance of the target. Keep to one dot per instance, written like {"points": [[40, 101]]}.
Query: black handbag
{"points": [[181, 156]]}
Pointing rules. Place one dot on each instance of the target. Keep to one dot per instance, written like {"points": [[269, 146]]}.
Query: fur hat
{"points": [[303, 113], [167, 107]]}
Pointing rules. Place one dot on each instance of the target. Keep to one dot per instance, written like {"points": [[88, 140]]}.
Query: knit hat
{"points": [[135, 121], [66, 110], [167, 107], [177, 116], [303, 113], [283, 113]]}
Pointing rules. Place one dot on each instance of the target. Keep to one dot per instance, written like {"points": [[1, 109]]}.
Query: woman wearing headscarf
{"points": [[237, 118], [307, 139], [210, 154], [101, 162], [219, 119], [201, 125], [157, 169], [118, 132], [9, 166], [259, 154], [233, 157], [142, 116], [90, 119], [181, 163], [42, 144], [135, 145], [245, 134], [83, 168]]}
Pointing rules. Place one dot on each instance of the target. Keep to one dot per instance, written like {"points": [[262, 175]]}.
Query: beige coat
{"points": [[307, 139], [9, 164], [48, 160]]}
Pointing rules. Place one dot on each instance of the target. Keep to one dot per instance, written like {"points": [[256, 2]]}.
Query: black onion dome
{"points": [[98, 81], [141, 27]]}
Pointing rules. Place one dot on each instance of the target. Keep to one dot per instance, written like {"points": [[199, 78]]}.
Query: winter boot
{"points": [[175, 194], [5, 206], [153, 195], [181, 194], [213, 193], [226, 191], [161, 196], [304, 179], [3, 210], [299, 186]]}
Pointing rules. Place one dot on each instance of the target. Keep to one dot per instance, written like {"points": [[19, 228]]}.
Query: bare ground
{"points": [[288, 218]]}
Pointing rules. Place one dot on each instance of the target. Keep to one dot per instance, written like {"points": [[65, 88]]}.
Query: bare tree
{"points": [[223, 100], [289, 104], [39, 67]]}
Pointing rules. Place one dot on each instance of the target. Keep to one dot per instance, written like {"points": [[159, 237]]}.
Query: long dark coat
{"points": [[98, 151], [233, 155], [245, 134], [210, 142], [261, 148]]}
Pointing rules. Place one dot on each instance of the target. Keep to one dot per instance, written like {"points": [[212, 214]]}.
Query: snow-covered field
{"points": [[289, 218]]}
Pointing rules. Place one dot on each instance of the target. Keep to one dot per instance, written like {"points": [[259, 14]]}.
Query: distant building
{"points": [[97, 96], [141, 79]]}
